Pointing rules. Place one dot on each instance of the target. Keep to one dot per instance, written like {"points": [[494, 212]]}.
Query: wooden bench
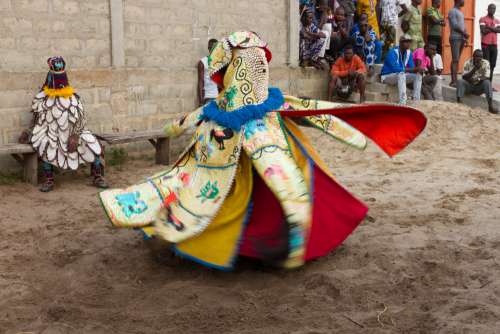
{"points": [[157, 138], [26, 156]]}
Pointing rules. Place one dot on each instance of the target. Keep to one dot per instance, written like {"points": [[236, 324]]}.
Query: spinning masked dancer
{"points": [[250, 183]]}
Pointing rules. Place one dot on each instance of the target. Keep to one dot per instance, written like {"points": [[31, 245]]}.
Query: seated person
{"points": [[326, 24], [378, 43], [364, 43], [475, 80], [437, 63], [207, 88], [350, 10], [347, 75], [399, 70], [423, 59], [340, 34], [311, 42], [308, 6]]}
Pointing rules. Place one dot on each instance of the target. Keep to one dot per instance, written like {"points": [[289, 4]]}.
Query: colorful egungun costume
{"points": [[58, 133], [250, 183]]}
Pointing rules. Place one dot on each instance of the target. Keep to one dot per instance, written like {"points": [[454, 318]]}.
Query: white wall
{"points": [[482, 10]]}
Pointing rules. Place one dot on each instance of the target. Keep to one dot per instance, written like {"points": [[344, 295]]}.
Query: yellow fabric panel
{"points": [[218, 244]]}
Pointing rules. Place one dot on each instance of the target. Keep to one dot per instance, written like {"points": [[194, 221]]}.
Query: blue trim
{"points": [[144, 235], [194, 259], [215, 167], [237, 118], [311, 163]]}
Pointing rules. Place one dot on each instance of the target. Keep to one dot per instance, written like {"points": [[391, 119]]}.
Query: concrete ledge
{"points": [[450, 95]]}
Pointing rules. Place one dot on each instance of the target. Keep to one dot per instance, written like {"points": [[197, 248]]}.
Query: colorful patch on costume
{"points": [[227, 101], [209, 192], [254, 126], [131, 203], [220, 136], [275, 170], [166, 217], [270, 136]]}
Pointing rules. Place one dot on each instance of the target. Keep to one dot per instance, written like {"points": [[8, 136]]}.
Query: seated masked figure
{"points": [[58, 131], [250, 183]]}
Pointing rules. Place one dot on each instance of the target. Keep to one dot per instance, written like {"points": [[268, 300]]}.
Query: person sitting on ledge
{"points": [[311, 42], [400, 70], [347, 75], [475, 80]]}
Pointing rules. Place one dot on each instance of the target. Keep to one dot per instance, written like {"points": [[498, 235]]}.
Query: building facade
{"points": [[133, 61]]}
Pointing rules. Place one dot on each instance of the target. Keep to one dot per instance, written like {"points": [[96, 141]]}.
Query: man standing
{"points": [[412, 24], [458, 38], [490, 27], [207, 88], [348, 74], [389, 22], [476, 81], [399, 69], [436, 23]]}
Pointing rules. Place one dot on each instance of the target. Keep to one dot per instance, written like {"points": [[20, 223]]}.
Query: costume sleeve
{"points": [[337, 70], [329, 124], [177, 127], [391, 127]]}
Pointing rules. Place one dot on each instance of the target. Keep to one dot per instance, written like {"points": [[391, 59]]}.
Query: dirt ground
{"points": [[426, 260]]}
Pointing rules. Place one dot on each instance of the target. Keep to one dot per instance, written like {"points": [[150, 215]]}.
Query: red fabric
{"points": [[336, 213], [264, 229], [391, 127]]}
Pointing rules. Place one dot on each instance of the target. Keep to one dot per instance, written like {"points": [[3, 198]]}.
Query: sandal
{"points": [[47, 186], [100, 182]]}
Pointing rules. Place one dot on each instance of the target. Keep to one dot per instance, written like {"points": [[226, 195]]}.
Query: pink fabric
{"points": [[489, 38], [419, 54]]}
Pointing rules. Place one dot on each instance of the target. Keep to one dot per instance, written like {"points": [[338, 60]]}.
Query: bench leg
{"points": [[31, 168], [162, 151]]}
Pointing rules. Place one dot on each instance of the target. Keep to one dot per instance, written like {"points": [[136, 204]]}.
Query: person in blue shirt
{"points": [[400, 70], [379, 44]]}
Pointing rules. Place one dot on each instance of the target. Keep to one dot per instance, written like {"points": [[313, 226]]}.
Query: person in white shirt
{"points": [[437, 62], [207, 88]]}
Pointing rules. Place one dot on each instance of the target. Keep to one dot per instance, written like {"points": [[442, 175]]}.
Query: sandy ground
{"points": [[426, 260]]}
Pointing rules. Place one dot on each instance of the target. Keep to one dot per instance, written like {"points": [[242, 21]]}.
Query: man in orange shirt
{"points": [[347, 75]]}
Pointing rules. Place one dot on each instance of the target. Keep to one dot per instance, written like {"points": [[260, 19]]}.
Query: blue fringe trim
{"points": [[237, 118]]}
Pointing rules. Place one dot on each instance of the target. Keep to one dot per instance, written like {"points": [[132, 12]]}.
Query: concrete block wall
{"points": [[162, 40], [32, 30]]}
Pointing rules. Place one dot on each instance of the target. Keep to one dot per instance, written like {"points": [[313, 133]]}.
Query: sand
{"points": [[426, 260]]}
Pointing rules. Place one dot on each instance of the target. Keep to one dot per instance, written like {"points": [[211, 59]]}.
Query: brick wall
{"points": [[163, 40]]}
